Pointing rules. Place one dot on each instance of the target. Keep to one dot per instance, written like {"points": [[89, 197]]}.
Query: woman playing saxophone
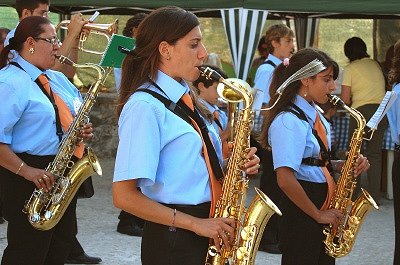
{"points": [[300, 138], [161, 151], [29, 137]]}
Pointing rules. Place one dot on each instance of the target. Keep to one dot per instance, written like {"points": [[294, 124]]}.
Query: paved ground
{"points": [[97, 219]]}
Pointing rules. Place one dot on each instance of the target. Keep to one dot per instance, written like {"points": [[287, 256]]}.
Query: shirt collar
{"points": [[210, 107], [29, 68], [274, 59], [172, 88], [304, 105]]}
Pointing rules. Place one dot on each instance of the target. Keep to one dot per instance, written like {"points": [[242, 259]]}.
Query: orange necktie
{"points": [[216, 186], [63, 111], [320, 129]]}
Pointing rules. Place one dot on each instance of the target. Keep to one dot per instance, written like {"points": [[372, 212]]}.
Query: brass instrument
{"points": [[233, 99], [45, 209], [250, 223], [106, 30], [339, 242]]}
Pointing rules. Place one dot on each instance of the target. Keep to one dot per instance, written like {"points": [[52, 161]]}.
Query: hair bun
{"points": [[11, 43]]}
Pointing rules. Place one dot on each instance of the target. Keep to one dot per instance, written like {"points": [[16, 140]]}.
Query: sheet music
{"points": [[383, 108]]}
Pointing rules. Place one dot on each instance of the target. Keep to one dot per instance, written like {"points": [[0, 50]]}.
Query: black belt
{"points": [[310, 161], [200, 210], [204, 205]]}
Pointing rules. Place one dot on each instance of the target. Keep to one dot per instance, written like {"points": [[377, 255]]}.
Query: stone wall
{"points": [[105, 124]]}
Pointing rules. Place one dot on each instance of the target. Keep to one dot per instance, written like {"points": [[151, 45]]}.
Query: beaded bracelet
{"points": [[173, 228], [19, 169]]}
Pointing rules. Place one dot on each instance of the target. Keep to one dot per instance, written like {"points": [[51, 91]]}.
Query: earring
{"points": [[306, 92], [31, 50]]}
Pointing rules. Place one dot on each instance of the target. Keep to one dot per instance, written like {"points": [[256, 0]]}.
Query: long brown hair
{"points": [[281, 73], [28, 27], [394, 73], [164, 24]]}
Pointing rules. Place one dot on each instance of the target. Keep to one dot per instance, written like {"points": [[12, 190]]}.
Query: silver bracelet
{"points": [[19, 169], [172, 228]]}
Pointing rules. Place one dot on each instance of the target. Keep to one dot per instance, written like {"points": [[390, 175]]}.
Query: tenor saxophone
{"points": [[45, 209], [250, 222], [340, 241]]}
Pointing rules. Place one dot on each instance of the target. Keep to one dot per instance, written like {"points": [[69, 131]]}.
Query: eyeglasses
{"points": [[53, 40]]}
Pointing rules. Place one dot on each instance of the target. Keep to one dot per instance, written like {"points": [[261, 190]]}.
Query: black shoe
{"points": [[83, 259], [130, 230], [270, 248]]}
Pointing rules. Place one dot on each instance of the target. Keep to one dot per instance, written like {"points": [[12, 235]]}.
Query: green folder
{"points": [[113, 57]]}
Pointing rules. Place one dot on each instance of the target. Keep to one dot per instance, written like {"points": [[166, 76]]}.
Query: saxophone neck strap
{"points": [[325, 160], [184, 112], [59, 130], [270, 63]]}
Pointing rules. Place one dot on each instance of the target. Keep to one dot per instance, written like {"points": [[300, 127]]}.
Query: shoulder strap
{"points": [[270, 63], [218, 123], [326, 159], [181, 111], [168, 104], [59, 131]]}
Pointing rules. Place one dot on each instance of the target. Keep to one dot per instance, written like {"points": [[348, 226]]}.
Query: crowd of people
{"points": [[169, 171]]}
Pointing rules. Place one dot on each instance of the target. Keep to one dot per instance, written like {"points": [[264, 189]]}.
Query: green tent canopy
{"points": [[243, 20]]}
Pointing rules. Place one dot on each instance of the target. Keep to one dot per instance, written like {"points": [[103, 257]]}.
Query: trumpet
{"points": [[106, 30]]}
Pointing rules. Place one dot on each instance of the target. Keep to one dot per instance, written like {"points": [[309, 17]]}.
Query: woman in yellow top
{"points": [[363, 88]]}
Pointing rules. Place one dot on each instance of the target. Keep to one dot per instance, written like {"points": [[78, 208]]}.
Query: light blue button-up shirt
{"points": [[117, 78], [161, 150], [27, 117], [393, 115], [223, 120], [263, 76], [292, 140]]}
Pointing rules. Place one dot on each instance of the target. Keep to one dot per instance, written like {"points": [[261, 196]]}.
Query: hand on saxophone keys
{"points": [[221, 230], [362, 165], [86, 133], [41, 178], [252, 165], [332, 217]]}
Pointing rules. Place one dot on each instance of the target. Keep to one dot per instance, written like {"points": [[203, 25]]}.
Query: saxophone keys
{"points": [[247, 233], [242, 253], [35, 218], [212, 251], [48, 215]]}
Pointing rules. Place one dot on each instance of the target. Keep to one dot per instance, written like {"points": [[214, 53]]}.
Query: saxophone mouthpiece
{"points": [[65, 60], [335, 100], [211, 74]]}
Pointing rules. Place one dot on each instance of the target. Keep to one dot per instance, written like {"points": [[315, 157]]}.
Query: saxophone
{"points": [[250, 223], [339, 242], [45, 209]]}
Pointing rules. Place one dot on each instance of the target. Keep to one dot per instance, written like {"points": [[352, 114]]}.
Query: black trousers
{"points": [[269, 185], [301, 237], [183, 247], [126, 218], [26, 245], [396, 204]]}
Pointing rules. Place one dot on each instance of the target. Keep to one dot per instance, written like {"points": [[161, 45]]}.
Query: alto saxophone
{"points": [[45, 209], [340, 241], [250, 223]]}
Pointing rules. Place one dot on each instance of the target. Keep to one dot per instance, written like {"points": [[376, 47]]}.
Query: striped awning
{"points": [[243, 27]]}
